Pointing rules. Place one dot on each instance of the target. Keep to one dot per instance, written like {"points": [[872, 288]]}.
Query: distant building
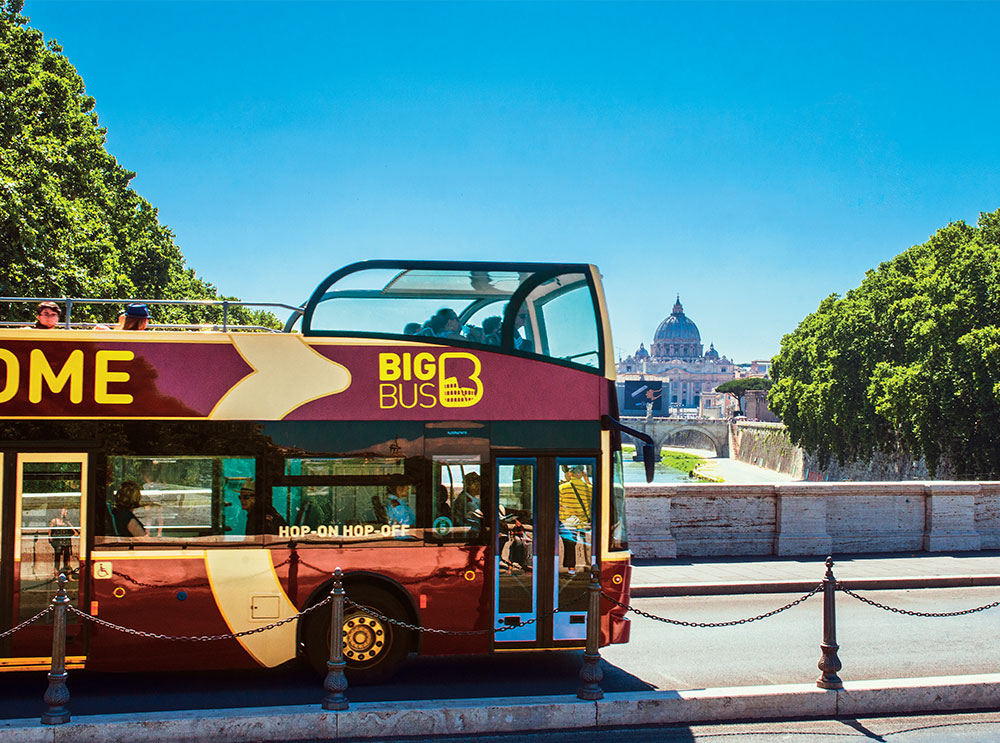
{"points": [[755, 407], [675, 358]]}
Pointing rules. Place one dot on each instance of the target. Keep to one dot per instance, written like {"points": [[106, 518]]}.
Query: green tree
{"points": [[738, 387], [69, 223], [909, 361]]}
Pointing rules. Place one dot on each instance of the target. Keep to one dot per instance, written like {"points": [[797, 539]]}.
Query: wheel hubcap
{"points": [[364, 637]]}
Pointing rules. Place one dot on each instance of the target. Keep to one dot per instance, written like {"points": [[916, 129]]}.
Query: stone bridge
{"points": [[714, 432]]}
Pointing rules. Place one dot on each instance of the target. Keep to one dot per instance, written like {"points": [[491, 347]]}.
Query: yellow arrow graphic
{"points": [[287, 374]]}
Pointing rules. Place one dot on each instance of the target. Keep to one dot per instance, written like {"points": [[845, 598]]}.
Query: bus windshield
{"points": [[548, 311]]}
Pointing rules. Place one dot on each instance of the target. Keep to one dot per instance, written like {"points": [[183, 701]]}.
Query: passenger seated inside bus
{"points": [[466, 503], [122, 521], [261, 518], [397, 509]]}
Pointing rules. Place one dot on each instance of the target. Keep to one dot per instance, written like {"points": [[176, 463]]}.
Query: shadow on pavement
{"points": [[508, 674]]}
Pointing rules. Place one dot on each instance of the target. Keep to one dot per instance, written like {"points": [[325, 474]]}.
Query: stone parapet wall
{"points": [[768, 445], [812, 518]]}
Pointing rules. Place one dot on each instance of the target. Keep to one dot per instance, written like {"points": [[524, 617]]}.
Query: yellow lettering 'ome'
{"points": [[420, 380], [42, 376]]}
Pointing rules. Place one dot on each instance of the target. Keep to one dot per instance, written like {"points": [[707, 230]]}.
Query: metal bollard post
{"points": [[591, 673], [336, 682], [829, 663], [57, 694]]}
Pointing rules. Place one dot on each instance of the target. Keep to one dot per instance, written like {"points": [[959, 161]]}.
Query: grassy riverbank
{"points": [[681, 461]]}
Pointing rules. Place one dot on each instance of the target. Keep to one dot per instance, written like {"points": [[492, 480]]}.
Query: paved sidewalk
{"points": [[381, 721], [686, 576]]}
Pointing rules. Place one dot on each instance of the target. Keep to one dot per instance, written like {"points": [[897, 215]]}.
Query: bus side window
{"points": [[352, 500], [179, 498], [457, 486]]}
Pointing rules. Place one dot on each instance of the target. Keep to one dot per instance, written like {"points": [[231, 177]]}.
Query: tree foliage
{"points": [[910, 360], [739, 387], [70, 225]]}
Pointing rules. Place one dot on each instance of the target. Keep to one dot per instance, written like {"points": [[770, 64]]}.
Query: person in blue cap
{"points": [[136, 317]]}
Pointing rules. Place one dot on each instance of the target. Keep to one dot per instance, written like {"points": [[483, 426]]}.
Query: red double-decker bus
{"points": [[446, 433]]}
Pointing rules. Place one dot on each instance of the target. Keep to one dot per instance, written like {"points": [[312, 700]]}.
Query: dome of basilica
{"points": [[677, 336]]}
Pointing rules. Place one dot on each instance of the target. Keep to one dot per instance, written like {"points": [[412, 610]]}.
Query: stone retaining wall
{"points": [[812, 518], [768, 445]]}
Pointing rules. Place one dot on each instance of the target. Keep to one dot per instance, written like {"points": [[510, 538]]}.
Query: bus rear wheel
{"points": [[374, 648]]}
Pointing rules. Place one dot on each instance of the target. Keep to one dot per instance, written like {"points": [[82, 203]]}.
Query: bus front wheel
{"points": [[374, 648]]}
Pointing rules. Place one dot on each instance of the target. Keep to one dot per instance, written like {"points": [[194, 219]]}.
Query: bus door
{"points": [[43, 524], [542, 547]]}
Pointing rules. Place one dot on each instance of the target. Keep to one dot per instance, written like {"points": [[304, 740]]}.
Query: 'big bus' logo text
{"points": [[422, 380]]}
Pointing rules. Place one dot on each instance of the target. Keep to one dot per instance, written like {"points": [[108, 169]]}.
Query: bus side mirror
{"points": [[649, 460]]}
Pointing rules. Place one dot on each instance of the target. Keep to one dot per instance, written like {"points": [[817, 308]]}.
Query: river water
{"points": [[635, 472]]}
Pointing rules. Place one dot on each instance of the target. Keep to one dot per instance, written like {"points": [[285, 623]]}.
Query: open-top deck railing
{"points": [[224, 304]]}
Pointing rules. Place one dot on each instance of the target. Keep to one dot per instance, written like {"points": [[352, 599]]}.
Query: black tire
{"points": [[373, 648]]}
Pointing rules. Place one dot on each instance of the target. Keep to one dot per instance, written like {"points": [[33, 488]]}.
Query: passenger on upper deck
{"points": [[136, 317], [445, 324], [47, 316], [411, 328], [520, 342], [491, 330]]}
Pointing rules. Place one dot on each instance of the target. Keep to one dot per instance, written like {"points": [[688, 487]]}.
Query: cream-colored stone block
{"points": [[940, 693], [26, 731], [710, 705], [801, 521], [383, 720], [203, 726], [988, 515], [951, 517]]}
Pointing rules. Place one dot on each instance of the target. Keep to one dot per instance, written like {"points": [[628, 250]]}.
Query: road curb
{"points": [[382, 720], [716, 588]]}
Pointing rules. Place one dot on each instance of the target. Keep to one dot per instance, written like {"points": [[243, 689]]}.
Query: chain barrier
{"points": [[196, 638], [22, 625], [731, 623], [909, 613]]}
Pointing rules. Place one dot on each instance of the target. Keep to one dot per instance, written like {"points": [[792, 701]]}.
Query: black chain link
{"points": [[907, 612], [25, 623], [732, 623], [197, 638]]}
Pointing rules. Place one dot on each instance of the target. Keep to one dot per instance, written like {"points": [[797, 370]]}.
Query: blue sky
{"points": [[752, 157]]}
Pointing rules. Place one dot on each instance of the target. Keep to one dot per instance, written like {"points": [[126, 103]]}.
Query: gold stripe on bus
{"points": [[178, 554], [242, 580], [33, 664]]}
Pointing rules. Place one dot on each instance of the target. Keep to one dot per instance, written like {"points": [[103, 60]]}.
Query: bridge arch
{"points": [[663, 429]]}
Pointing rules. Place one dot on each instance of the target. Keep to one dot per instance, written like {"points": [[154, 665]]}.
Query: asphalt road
{"points": [[781, 649], [874, 643]]}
